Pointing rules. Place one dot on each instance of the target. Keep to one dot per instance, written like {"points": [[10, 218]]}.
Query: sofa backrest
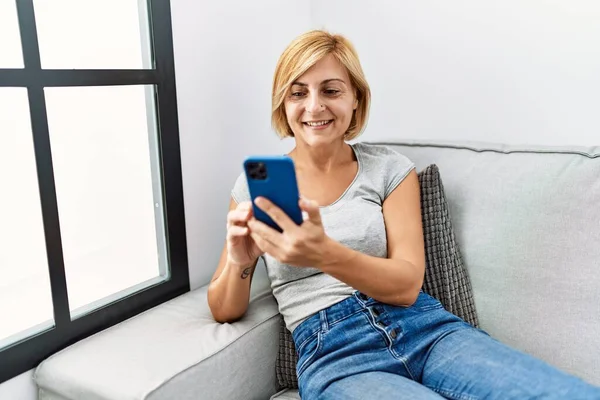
{"points": [[527, 220]]}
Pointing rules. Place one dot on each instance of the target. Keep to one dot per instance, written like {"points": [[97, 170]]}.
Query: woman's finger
{"points": [[237, 231], [244, 205], [276, 213], [238, 217], [312, 209], [265, 232], [264, 245]]}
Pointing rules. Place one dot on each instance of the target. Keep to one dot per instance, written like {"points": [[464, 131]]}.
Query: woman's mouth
{"points": [[318, 124]]}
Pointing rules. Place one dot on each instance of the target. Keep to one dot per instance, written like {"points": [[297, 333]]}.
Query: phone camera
{"points": [[257, 170]]}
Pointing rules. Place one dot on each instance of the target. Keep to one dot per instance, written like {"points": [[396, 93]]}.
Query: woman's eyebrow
{"points": [[333, 80], [297, 83]]}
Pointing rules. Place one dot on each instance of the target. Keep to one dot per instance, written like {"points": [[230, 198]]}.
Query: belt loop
{"points": [[361, 297], [323, 318]]}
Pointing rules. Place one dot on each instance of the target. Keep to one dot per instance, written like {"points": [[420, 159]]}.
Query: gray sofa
{"points": [[527, 220]]}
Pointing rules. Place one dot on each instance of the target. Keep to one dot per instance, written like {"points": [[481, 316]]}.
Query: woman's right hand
{"points": [[241, 248]]}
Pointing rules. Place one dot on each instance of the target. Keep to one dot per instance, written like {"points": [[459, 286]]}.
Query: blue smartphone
{"points": [[274, 178]]}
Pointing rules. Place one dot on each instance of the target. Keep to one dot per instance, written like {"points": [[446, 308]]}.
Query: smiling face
{"points": [[321, 102]]}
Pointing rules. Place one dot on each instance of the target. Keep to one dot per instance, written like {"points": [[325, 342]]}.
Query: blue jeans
{"points": [[363, 349]]}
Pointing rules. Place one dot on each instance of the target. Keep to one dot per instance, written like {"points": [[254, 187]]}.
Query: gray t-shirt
{"points": [[354, 220]]}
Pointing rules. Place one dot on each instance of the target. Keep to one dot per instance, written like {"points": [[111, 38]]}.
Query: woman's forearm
{"points": [[229, 294], [387, 280]]}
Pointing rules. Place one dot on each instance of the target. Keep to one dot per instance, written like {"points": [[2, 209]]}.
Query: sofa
{"points": [[526, 219]]}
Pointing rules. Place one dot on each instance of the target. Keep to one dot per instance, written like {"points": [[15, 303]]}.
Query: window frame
{"points": [[29, 352]]}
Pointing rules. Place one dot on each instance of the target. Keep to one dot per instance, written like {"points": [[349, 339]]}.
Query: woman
{"points": [[348, 279]]}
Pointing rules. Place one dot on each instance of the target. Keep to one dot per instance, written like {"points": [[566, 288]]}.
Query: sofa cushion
{"points": [[527, 220], [445, 276], [173, 351]]}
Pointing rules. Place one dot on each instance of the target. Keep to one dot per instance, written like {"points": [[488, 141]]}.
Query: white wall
{"points": [[524, 71], [225, 55], [515, 71]]}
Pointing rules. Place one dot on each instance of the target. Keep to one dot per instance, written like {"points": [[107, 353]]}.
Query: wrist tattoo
{"points": [[246, 273]]}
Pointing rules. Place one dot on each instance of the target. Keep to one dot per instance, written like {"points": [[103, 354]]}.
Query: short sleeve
{"points": [[398, 166], [240, 192]]}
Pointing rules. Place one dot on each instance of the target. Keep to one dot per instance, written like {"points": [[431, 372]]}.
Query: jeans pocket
{"points": [[308, 351]]}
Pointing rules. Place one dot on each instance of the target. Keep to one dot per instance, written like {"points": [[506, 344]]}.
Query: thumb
{"points": [[312, 209]]}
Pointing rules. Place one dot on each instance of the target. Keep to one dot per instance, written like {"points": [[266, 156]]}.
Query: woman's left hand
{"points": [[298, 245]]}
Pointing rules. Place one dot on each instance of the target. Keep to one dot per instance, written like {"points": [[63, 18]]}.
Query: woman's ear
{"points": [[355, 104]]}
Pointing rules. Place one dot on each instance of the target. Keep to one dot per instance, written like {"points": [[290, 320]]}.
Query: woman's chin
{"points": [[320, 138]]}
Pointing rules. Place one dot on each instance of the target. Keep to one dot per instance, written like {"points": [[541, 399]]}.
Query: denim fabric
{"points": [[363, 349]]}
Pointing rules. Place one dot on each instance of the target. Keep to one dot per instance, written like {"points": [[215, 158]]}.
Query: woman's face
{"points": [[320, 104]]}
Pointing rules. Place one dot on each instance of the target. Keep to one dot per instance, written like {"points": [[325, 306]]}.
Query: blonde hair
{"points": [[304, 52]]}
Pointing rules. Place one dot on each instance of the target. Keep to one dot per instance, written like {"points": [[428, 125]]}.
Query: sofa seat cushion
{"points": [[173, 351]]}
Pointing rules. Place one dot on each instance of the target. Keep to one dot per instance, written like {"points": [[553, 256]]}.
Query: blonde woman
{"points": [[348, 280]]}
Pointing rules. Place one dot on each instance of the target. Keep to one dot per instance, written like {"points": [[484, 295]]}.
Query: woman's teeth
{"points": [[318, 123]]}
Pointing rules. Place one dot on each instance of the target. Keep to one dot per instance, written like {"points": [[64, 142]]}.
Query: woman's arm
{"points": [[398, 278], [229, 289]]}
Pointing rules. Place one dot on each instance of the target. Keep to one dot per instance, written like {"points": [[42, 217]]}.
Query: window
{"points": [[91, 209]]}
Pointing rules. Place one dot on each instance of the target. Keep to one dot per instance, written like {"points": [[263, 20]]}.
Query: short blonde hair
{"points": [[304, 52]]}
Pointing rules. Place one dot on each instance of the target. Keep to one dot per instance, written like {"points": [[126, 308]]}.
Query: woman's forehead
{"points": [[325, 70]]}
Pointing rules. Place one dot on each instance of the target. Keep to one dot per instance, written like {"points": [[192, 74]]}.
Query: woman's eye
{"points": [[331, 91], [297, 94]]}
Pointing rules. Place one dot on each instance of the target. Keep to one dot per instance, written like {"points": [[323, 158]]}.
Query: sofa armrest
{"points": [[173, 351]]}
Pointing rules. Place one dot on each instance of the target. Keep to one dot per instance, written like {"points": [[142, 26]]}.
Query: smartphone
{"points": [[274, 178]]}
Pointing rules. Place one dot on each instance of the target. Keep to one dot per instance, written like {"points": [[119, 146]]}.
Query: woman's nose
{"points": [[314, 104]]}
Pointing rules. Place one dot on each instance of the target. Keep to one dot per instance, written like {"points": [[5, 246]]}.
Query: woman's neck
{"points": [[321, 158]]}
